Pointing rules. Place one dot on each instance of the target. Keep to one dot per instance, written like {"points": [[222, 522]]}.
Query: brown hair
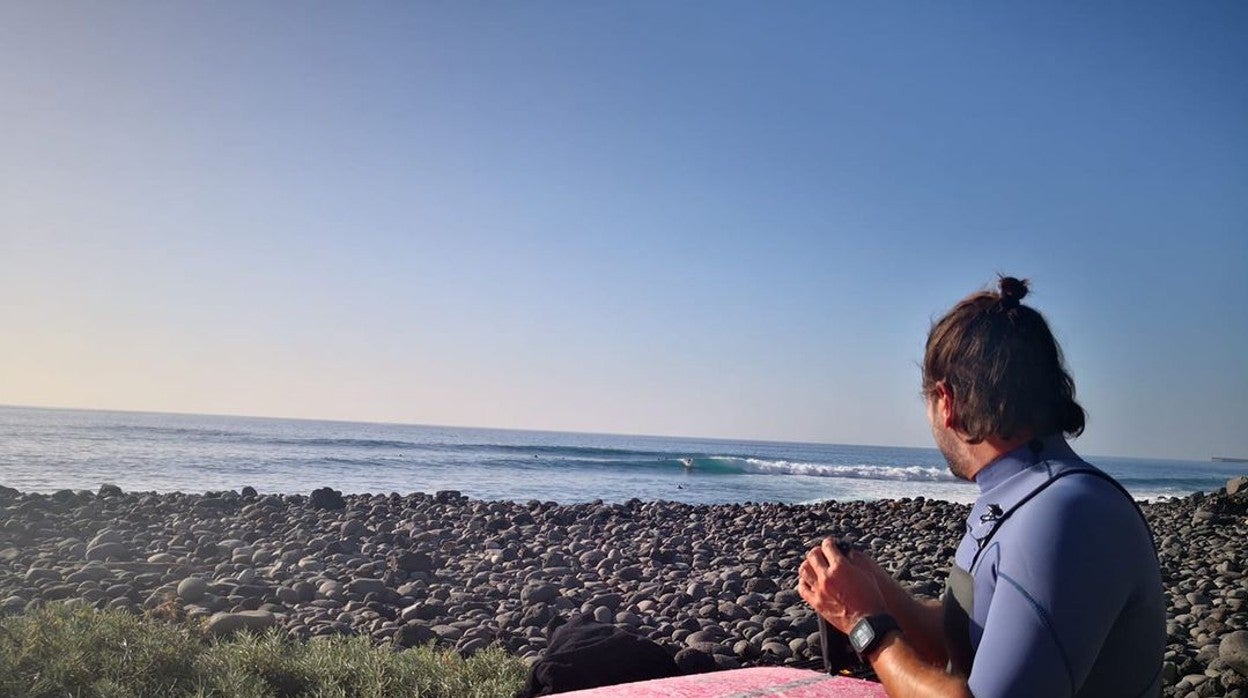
{"points": [[1002, 366]]}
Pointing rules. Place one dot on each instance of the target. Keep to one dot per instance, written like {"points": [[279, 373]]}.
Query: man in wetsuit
{"points": [[1055, 588]]}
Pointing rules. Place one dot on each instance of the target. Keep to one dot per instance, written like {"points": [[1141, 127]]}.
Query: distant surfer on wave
{"points": [[688, 463]]}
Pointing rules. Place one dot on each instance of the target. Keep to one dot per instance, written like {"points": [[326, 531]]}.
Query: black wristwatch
{"points": [[870, 631]]}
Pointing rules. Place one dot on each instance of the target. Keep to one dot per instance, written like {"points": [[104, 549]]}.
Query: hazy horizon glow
{"points": [[703, 220]]}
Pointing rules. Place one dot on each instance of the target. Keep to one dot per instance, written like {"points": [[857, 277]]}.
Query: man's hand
{"points": [[839, 590], [844, 589]]}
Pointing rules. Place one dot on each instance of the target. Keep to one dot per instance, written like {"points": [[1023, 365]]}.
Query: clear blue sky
{"points": [[697, 218]]}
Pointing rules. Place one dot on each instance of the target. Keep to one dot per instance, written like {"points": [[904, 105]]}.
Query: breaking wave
{"points": [[855, 471]]}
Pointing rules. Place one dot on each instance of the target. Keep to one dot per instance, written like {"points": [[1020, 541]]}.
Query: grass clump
{"points": [[84, 653]]}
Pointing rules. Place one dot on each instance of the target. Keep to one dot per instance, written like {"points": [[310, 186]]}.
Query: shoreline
{"points": [[172, 453], [705, 579]]}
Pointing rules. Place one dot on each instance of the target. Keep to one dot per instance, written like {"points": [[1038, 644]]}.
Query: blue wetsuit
{"points": [[1067, 597]]}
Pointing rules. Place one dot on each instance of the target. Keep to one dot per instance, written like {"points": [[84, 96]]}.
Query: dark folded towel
{"points": [[586, 654]]}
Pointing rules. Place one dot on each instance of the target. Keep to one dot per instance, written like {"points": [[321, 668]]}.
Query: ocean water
{"points": [[44, 450]]}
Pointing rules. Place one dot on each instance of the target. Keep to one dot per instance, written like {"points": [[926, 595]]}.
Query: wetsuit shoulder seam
{"points": [[1048, 625]]}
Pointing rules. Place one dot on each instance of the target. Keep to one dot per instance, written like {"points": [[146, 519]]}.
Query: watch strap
{"points": [[876, 626]]}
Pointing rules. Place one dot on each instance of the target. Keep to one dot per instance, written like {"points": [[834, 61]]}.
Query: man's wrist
{"points": [[869, 631], [890, 638]]}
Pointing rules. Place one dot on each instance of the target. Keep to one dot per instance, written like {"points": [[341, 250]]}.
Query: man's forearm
{"points": [[906, 675], [921, 621], [843, 589]]}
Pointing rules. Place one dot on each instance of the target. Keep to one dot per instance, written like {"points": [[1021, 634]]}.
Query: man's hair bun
{"points": [[1003, 368], [1012, 291]]}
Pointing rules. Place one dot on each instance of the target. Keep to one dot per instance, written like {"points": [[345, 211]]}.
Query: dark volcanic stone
{"points": [[1234, 651], [327, 498], [778, 649], [1237, 485], [663, 556], [746, 650], [36, 575], [413, 635], [253, 591], [225, 624], [305, 590], [611, 601], [430, 610], [761, 585], [409, 561], [630, 574], [544, 593], [108, 551], [714, 578], [366, 586], [537, 616], [693, 661], [192, 589], [788, 597], [61, 591]]}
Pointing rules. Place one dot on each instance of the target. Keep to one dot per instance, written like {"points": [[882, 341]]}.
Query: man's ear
{"points": [[946, 412]]}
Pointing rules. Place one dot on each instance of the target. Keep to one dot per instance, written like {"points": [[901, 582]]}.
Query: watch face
{"points": [[862, 634]]}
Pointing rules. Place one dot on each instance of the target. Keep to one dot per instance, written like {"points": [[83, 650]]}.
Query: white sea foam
{"points": [[856, 471], [48, 450]]}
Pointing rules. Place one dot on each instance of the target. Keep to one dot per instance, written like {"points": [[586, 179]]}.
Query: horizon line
{"points": [[523, 430]]}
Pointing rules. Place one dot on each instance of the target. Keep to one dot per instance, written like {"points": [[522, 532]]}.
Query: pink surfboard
{"points": [[757, 682]]}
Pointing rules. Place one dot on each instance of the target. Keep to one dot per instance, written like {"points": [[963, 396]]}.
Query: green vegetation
{"points": [[83, 653]]}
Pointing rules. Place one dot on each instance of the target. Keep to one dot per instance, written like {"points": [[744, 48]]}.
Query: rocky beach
{"points": [[711, 583]]}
